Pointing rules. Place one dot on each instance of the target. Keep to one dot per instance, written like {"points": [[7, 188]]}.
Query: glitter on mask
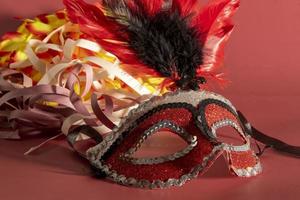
{"points": [[171, 169]]}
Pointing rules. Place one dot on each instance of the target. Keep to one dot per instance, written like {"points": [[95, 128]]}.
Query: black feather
{"points": [[164, 42]]}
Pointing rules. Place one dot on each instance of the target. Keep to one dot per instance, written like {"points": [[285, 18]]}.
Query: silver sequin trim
{"points": [[190, 139]]}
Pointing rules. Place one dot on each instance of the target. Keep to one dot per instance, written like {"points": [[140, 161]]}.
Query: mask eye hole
{"points": [[229, 135], [161, 126], [161, 144]]}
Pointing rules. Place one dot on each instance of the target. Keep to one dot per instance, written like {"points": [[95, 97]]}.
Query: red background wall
{"points": [[263, 63]]}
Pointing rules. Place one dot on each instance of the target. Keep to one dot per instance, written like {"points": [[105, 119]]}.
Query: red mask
{"points": [[195, 117]]}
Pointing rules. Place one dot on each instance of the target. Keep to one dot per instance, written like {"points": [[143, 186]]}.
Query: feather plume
{"points": [[171, 37]]}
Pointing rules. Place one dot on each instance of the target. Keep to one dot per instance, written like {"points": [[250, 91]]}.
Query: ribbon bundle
{"points": [[53, 78]]}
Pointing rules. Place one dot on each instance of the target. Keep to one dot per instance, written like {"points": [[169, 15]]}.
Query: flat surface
{"points": [[262, 61]]}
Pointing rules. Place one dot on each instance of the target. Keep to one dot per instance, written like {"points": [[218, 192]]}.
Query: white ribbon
{"points": [[108, 69]]}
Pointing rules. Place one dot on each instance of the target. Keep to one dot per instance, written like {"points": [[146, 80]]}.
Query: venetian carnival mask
{"points": [[195, 117]]}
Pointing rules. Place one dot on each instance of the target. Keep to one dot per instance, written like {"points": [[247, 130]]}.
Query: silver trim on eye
{"points": [[190, 139], [229, 147]]}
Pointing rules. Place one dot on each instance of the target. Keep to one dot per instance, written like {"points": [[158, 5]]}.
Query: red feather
{"points": [[91, 19], [94, 23], [186, 7], [213, 17], [152, 6], [214, 25]]}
